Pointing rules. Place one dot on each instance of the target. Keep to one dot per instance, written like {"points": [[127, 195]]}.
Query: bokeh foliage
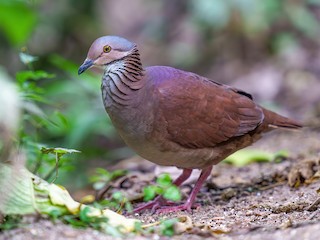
{"points": [[17, 20], [62, 109]]}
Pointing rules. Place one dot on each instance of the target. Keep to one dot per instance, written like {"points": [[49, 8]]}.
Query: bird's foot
{"points": [[184, 207], [155, 204]]}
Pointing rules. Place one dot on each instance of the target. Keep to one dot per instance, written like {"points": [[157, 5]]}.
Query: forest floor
{"points": [[250, 202]]}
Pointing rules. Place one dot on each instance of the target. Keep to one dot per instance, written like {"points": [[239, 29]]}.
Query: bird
{"points": [[173, 117]]}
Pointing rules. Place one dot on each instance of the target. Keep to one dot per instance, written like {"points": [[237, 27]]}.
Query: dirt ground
{"points": [[250, 202]]}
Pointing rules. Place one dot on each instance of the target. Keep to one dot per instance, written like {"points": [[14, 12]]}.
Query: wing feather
{"points": [[200, 113]]}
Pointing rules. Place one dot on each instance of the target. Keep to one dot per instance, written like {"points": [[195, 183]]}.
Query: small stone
{"points": [[286, 224]]}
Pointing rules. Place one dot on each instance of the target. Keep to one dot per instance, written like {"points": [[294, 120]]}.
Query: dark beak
{"points": [[87, 63]]}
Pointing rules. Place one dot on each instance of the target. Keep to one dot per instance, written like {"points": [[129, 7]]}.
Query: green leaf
{"points": [[118, 173], [128, 206], [164, 180], [17, 20], [24, 193], [138, 227], [149, 193], [23, 76], [10, 222], [60, 151], [32, 108], [34, 97], [84, 214], [63, 63], [167, 227], [16, 191], [246, 156], [103, 176], [55, 214], [62, 118], [118, 196], [74, 222], [102, 171], [172, 193]]}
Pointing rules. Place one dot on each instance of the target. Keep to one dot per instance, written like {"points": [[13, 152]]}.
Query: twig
{"points": [[271, 186], [314, 204], [38, 164], [55, 169]]}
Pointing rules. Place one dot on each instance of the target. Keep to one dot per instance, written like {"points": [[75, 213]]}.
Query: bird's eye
{"points": [[106, 48]]}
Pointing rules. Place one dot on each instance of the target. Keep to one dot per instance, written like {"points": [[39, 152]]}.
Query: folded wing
{"points": [[200, 113]]}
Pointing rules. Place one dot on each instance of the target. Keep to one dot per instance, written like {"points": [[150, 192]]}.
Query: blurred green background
{"points": [[269, 48]]}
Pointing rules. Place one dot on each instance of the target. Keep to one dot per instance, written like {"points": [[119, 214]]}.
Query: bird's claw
{"points": [[184, 207], [161, 205], [155, 204]]}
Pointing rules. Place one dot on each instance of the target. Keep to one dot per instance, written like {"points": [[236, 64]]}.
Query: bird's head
{"points": [[106, 50]]}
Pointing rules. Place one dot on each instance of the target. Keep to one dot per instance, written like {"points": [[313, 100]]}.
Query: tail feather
{"points": [[273, 119]]}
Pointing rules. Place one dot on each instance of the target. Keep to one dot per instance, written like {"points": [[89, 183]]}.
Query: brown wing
{"points": [[200, 113]]}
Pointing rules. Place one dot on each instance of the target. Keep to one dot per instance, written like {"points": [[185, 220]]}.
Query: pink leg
{"points": [[188, 204], [183, 177], [159, 200]]}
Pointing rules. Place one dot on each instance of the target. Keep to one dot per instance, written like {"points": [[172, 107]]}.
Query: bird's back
{"points": [[198, 112], [200, 120]]}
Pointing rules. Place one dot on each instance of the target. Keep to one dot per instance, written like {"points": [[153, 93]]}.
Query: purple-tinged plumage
{"points": [[173, 117]]}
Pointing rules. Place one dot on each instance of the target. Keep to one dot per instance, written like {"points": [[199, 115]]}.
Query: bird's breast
{"points": [[132, 117]]}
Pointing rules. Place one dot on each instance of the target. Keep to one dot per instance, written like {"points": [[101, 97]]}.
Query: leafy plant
{"points": [[256, 16], [117, 202], [167, 227], [100, 180], [84, 219], [23, 14], [165, 187], [79, 96], [35, 121], [102, 177], [58, 152], [10, 222]]}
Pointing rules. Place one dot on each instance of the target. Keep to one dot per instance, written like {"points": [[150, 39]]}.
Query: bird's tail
{"points": [[273, 119]]}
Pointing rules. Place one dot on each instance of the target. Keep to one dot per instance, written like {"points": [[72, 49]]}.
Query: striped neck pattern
{"points": [[121, 79]]}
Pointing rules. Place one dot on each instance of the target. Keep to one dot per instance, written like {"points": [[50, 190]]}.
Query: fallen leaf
{"points": [[24, 193], [247, 156], [184, 224], [303, 172]]}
